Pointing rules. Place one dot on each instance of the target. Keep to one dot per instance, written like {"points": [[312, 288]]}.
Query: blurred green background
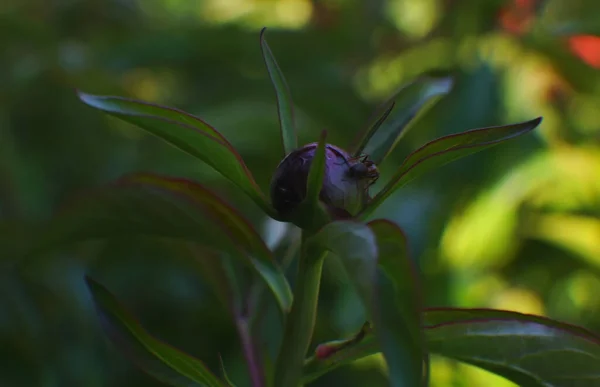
{"points": [[515, 227]]}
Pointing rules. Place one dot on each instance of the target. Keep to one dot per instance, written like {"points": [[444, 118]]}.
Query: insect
{"points": [[345, 184], [363, 168]]}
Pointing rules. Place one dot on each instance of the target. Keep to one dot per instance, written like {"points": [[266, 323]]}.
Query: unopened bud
{"points": [[345, 183]]}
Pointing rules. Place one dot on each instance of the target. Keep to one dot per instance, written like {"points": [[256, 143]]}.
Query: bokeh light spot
{"points": [[519, 300], [416, 18]]}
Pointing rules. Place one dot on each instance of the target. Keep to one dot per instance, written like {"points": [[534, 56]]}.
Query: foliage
{"points": [[476, 228]]}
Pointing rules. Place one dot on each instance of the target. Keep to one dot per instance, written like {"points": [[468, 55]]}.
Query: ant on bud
{"points": [[363, 168]]}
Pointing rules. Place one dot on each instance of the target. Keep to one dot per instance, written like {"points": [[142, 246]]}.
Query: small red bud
{"points": [[323, 351]]}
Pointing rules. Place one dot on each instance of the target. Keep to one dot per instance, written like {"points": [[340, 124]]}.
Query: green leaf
{"points": [[188, 133], [381, 138], [159, 206], [444, 150], [395, 314], [529, 353], [375, 122], [285, 106], [438, 316], [355, 245], [399, 304], [314, 182], [224, 372], [153, 356], [528, 350]]}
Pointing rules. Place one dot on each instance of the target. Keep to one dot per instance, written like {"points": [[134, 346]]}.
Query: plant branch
{"points": [[301, 320], [330, 355], [257, 300], [250, 352]]}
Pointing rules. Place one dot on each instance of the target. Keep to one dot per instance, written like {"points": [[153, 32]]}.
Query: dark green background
{"points": [[515, 227]]}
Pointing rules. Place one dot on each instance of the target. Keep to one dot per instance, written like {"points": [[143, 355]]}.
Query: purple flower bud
{"points": [[345, 184]]}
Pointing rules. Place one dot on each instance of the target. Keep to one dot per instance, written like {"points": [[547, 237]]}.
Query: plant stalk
{"points": [[300, 322], [255, 368]]}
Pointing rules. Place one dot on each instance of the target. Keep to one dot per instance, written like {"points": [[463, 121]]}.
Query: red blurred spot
{"points": [[517, 16], [323, 351], [587, 48]]}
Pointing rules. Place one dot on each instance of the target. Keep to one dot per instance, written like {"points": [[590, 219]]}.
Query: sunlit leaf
{"points": [[186, 132], [285, 107], [446, 149], [381, 138], [528, 350], [399, 322], [438, 316], [167, 207], [158, 359], [529, 353], [394, 315]]}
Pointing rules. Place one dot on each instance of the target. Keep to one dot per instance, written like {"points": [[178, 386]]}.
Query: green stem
{"points": [[301, 320]]}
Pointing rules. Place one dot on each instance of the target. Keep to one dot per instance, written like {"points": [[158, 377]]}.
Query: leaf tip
{"points": [[83, 96], [530, 125], [323, 135], [89, 281], [92, 285]]}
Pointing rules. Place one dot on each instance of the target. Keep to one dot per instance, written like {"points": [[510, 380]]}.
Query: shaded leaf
{"points": [[399, 326], [381, 138], [285, 107], [153, 356], [228, 381], [375, 122], [186, 132], [446, 149], [161, 206], [528, 350], [356, 245]]}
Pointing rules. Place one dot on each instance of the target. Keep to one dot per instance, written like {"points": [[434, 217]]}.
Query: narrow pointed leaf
{"points": [[228, 381], [364, 136], [446, 149], [399, 306], [316, 174], [158, 359], [186, 132], [381, 138], [285, 106], [158, 206], [529, 350], [356, 245]]}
